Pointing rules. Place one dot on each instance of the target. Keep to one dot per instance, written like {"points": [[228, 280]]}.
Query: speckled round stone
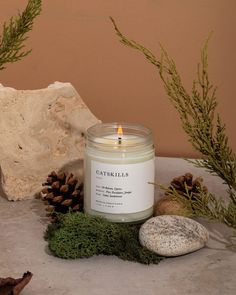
{"points": [[171, 235]]}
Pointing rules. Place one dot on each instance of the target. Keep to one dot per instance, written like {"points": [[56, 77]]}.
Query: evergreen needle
{"points": [[14, 34], [197, 111]]}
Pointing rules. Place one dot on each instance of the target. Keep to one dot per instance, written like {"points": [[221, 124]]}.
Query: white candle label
{"points": [[118, 188]]}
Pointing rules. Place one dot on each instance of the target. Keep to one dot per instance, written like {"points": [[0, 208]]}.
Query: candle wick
{"points": [[119, 140]]}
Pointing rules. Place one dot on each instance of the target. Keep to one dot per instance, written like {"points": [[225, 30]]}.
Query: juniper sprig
{"points": [[204, 127], [14, 34]]}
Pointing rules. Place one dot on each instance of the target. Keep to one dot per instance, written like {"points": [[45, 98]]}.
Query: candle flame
{"points": [[120, 131]]}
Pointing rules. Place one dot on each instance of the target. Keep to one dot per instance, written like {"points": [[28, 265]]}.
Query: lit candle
{"points": [[119, 166]]}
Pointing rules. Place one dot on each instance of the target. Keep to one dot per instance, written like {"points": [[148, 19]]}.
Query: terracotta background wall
{"points": [[74, 41]]}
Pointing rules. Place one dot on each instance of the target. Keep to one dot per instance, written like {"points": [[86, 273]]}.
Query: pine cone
{"points": [[61, 193], [185, 183]]}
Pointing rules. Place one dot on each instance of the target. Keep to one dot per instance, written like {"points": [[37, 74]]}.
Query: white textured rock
{"points": [[40, 130], [171, 235]]}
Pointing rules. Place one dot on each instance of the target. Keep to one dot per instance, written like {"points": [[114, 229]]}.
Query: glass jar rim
{"points": [[106, 134]]}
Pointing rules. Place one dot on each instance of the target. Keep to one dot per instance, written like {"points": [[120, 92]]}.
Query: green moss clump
{"points": [[78, 235]]}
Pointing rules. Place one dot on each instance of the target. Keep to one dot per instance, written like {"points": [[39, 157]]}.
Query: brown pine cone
{"points": [[61, 193], [185, 184]]}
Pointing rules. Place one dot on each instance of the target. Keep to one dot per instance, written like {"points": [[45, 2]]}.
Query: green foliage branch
{"points": [[205, 205], [197, 111], [14, 34], [78, 235]]}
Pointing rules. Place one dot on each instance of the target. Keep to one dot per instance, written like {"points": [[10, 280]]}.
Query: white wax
{"points": [[115, 139]]}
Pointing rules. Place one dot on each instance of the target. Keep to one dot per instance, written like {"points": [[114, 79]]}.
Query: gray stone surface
{"points": [[209, 271], [169, 235]]}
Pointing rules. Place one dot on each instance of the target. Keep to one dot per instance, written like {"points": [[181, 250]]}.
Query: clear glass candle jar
{"points": [[119, 167]]}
